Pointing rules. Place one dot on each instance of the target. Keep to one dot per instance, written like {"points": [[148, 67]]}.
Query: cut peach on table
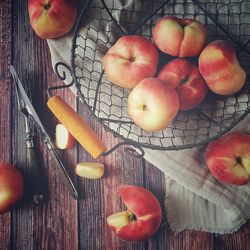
{"points": [[90, 170], [63, 139], [142, 218]]}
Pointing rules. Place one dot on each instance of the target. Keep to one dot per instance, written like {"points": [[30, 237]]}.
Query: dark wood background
{"points": [[61, 222]]}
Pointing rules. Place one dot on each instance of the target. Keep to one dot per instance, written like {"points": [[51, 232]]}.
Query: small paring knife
{"points": [[30, 114]]}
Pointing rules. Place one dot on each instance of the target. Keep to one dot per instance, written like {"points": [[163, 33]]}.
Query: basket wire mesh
{"points": [[99, 26]]}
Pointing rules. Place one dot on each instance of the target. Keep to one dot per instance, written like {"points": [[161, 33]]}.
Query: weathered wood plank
{"points": [[5, 113], [100, 198], [52, 225], [189, 240], [166, 238], [155, 182], [238, 240]]}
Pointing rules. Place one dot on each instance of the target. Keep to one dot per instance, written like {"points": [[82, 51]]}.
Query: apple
{"points": [[52, 18], [179, 37], [131, 59], [184, 76], [63, 138], [220, 68], [152, 105], [90, 170], [142, 218], [11, 187], [228, 158]]}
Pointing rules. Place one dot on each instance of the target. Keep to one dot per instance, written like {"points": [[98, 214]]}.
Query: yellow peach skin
{"points": [[220, 68], [179, 37], [152, 105], [130, 60], [52, 18]]}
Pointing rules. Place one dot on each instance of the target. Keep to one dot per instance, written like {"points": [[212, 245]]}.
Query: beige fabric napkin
{"points": [[194, 199]]}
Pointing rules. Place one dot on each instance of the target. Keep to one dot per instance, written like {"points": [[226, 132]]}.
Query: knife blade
{"points": [[45, 137]]}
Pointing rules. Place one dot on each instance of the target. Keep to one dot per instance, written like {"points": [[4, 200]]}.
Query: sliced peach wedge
{"points": [[142, 218], [90, 170], [63, 139]]}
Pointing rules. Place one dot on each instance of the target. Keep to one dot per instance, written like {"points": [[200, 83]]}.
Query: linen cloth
{"points": [[194, 199]]}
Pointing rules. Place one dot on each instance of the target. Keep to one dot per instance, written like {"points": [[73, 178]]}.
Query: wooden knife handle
{"points": [[77, 126], [36, 176]]}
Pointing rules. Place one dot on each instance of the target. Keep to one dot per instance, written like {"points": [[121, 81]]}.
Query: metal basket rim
{"points": [[116, 134]]}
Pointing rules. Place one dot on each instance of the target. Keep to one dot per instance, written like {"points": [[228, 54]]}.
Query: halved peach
{"points": [[142, 218]]}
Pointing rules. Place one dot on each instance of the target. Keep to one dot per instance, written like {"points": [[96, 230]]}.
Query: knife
{"points": [[32, 161], [44, 135]]}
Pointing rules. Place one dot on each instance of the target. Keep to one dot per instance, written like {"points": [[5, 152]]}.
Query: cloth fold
{"points": [[194, 199]]}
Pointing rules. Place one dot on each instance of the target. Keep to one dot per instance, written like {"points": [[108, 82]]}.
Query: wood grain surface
{"points": [[61, 222]]}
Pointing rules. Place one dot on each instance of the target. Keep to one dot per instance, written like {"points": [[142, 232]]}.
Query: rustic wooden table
{"points": [[61, 222]]}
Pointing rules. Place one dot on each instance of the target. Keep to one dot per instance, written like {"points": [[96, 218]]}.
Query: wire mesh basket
{"points": [[99, 26]]}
